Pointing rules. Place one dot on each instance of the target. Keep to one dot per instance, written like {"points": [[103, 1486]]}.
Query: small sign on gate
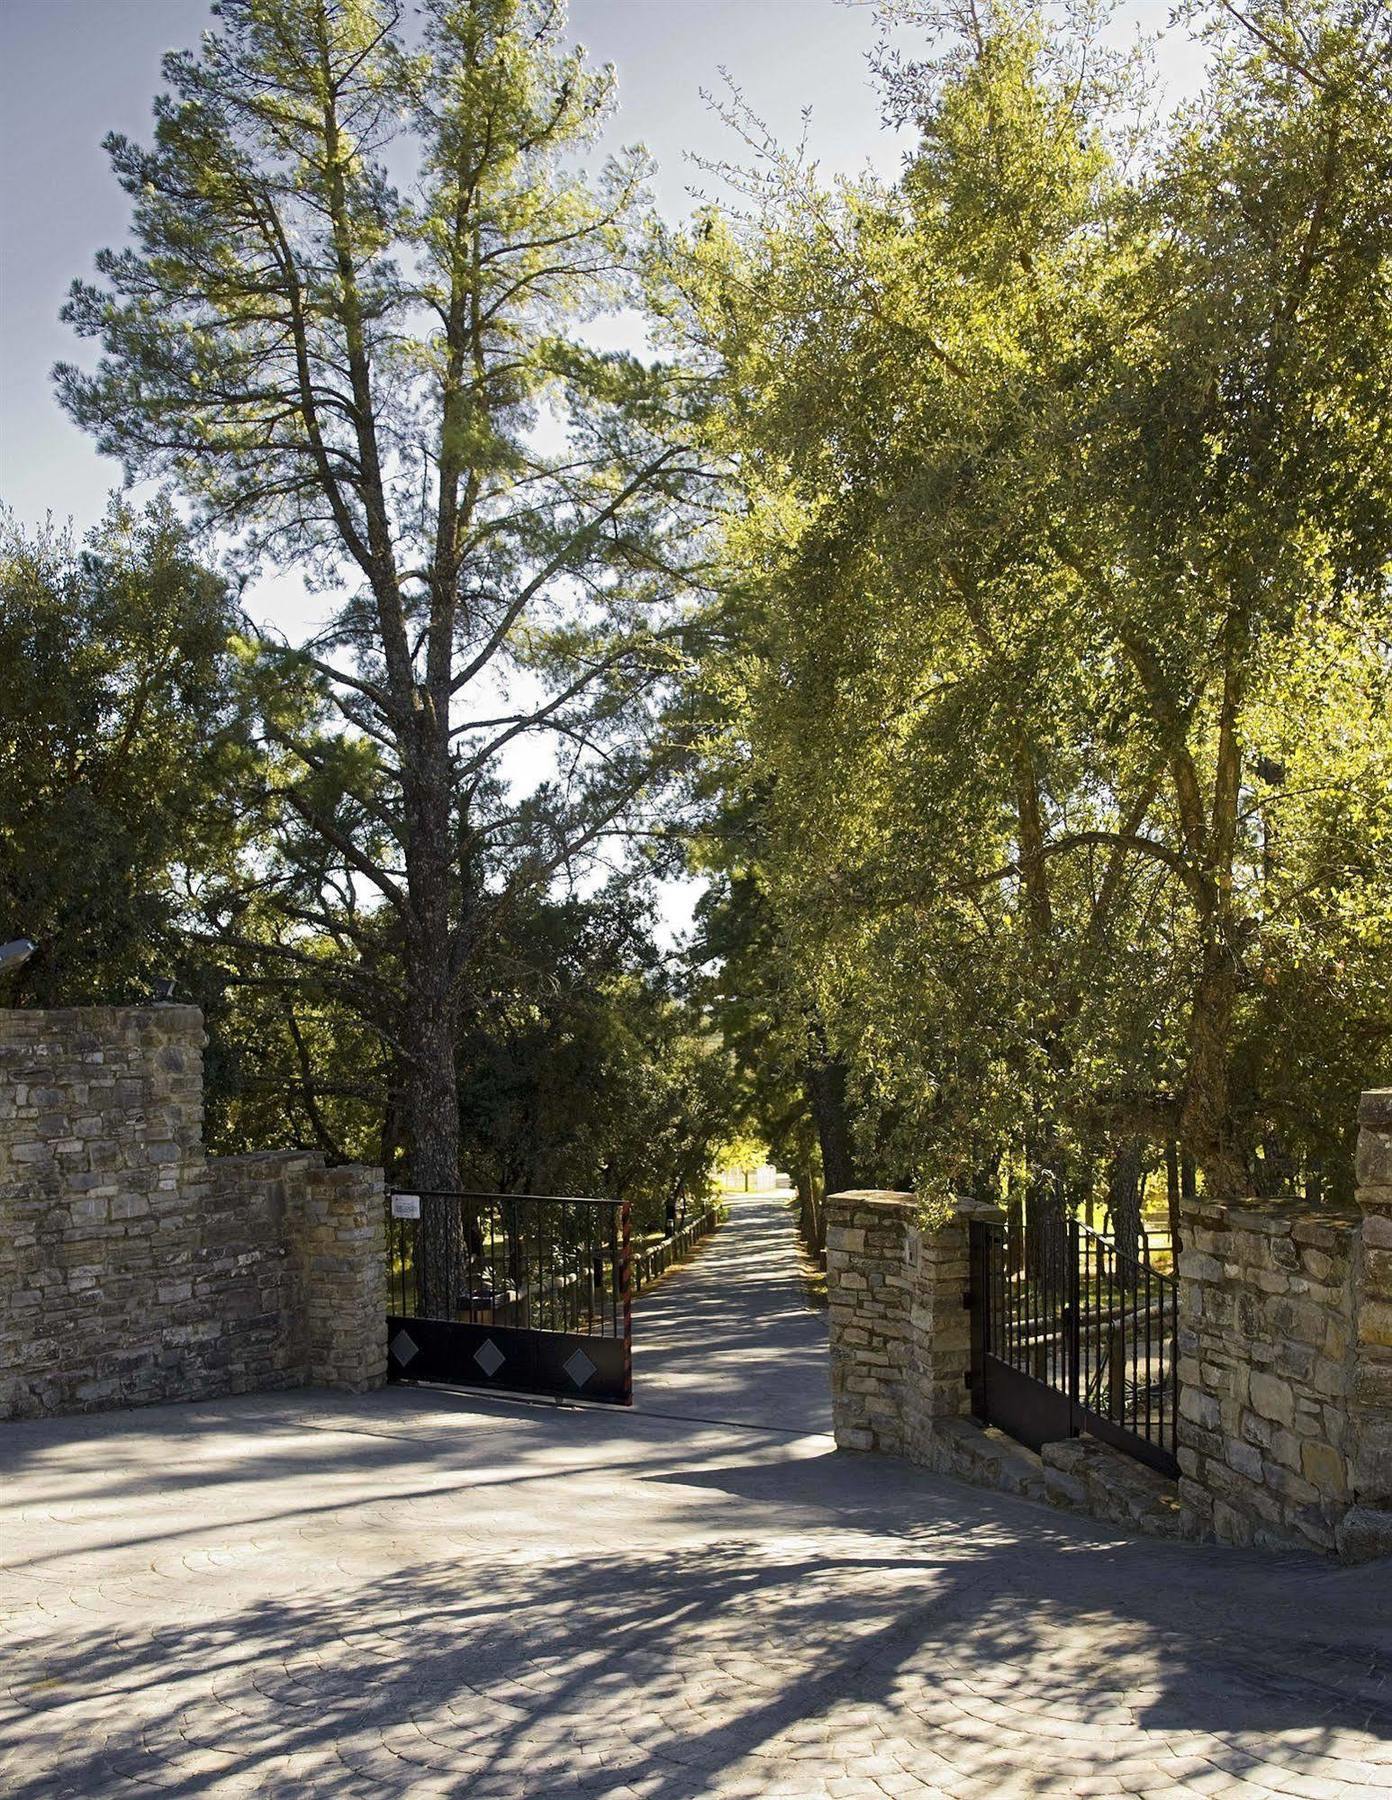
{"points": [[405, 1206]]}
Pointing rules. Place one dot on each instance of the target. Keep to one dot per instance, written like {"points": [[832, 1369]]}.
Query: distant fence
{"points": [[656, 1259]]}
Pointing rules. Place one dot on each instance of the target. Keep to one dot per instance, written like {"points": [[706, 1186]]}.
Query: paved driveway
{"points": [[421, 1593]]}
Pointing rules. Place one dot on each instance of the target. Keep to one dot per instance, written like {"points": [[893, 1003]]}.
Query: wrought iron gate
{"points": [[513, 1291], [1070, 1333]]}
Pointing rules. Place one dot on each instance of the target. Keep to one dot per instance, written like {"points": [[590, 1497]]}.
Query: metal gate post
{"points": [[626, 1288], [1074, 1332], [1075, 1410]]}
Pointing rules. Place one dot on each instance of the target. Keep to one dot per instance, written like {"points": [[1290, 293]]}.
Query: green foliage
{"points": [[1057, 596], [580, 1070], [1043, 706], [121, 742], [586, 1073]]}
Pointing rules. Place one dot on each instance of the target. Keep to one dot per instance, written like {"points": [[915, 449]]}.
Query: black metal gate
{"points": [[1071, 1333], [514, 1291]]}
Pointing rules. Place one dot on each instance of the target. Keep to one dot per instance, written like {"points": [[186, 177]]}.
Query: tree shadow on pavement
{"points": [[991, 1660]]}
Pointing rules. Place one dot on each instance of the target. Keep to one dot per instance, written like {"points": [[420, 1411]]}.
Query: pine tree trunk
{"points": [[431, 1099], [432, 1130], [1124, 1201]]}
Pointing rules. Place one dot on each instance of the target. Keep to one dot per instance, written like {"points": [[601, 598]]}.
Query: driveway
{"points": [[425, 1593]]}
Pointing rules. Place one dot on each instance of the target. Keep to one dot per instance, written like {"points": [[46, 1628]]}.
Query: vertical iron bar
{"points": [[1095, 1316], [1132, 1363], [1008, 1295], [1021, 1281], [1145, 1252], [1074, 1410], [975, 1271], [1175, 1365], [627, 1308]]}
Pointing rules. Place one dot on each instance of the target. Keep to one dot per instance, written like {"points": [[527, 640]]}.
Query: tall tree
{"points": [[1058, 586], [346, 329]]}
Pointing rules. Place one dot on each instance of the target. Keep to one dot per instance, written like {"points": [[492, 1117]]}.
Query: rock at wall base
{"points": [[1364, 1534]]}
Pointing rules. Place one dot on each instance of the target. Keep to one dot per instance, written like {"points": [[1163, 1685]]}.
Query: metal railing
{"points": [[1075, 1334], [655, 1259], [532, 1262]]}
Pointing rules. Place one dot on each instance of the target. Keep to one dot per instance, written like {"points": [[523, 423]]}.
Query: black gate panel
{"points": [[1071, 1332], [1031, 1412], [522, 1292], [503, 1356]]}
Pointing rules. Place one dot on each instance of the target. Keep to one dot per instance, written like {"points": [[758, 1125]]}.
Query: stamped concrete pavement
{"points": [[425, 1593]]}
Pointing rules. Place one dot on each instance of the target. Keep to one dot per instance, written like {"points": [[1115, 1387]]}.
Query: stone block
{"points": [[1323, 1467], [1373, 1167], [1377, 1270], [1199, 1408], [1364, 1532], [1375, 1109], [1244, 1458], [1272, 1398], [1375, 1323], [1371, 1383]]}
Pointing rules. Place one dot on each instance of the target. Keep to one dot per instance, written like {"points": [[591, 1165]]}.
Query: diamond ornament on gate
{"points": [[489, 1358], [579, 1367], [404, 1347]]}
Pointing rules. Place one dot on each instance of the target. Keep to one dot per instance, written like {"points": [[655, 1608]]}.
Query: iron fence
{"points": [[535, 1262], [655, 1259], [1074, 1333], [520, 1291]]}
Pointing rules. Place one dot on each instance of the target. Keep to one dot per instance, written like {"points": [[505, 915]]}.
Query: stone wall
{"points": [[134, 1269], [868, 1249], [1266, 1369], [1284, 1365]]}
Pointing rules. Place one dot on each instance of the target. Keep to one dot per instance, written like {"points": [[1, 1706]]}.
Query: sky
{"points": [[72, 70]]}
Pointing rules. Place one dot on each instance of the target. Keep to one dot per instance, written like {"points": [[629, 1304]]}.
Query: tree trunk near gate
{"points": [[431, 1098], [1124, 1202], [1172, 1195], [825, 1081]]}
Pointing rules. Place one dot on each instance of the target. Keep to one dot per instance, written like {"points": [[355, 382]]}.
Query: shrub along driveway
{"points": [[429, 1593]]}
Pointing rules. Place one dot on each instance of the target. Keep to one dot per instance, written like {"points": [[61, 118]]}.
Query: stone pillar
{"points": [[1266, 1305], [101, 1119], [867, 1252], [339, 1258], [1367, 1528], [900, 1328], [940, 1328]]}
